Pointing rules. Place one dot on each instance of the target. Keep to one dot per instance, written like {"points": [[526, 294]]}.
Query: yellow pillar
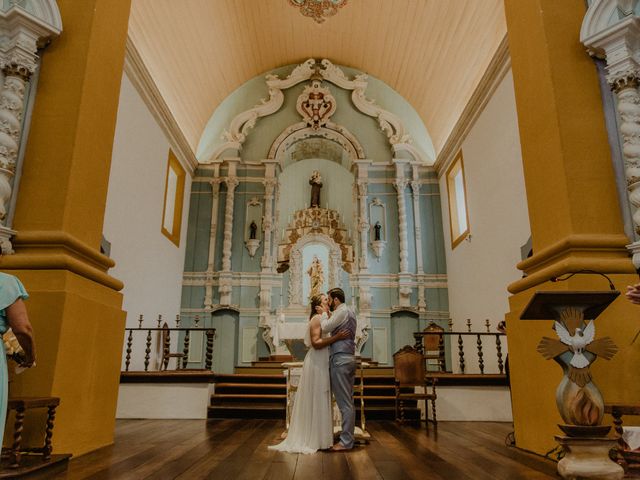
{"points": [[575, 217], [75, 306]]}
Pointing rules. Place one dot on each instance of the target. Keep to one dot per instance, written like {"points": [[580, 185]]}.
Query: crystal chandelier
{"points": [[318, 9]]}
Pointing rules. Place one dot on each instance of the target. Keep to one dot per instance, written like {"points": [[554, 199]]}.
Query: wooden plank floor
{"points": [[237, 449]]}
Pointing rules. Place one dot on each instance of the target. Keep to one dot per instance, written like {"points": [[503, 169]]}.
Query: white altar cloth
{"points": [[290, 331]]}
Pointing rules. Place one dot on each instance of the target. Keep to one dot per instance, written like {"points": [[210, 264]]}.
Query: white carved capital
{"points": [[362, 187], [400, 184]]}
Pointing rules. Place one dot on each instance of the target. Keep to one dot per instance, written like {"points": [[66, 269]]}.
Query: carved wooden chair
{"points": [[166, 349], [627, 458], [409, 371], [433, 348]]}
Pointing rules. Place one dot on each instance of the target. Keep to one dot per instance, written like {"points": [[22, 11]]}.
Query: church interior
{"points": [[179, 179]]}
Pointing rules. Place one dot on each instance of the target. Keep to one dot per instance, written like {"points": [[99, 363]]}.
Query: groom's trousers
{"points": [[343, 373]]}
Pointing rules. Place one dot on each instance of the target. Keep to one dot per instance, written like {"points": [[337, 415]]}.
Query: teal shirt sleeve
{"points": [[11, 289]]}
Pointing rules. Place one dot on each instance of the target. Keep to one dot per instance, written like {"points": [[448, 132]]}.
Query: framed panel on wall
{"points": [[457, 194], [173, 198]]}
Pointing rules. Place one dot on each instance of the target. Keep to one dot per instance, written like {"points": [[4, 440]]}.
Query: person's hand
{"points": [[342, 334], [320, 309], [633, 293], [22, 360]]}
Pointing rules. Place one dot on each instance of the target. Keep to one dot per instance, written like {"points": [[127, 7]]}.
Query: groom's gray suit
{"points": [[342, 368]]}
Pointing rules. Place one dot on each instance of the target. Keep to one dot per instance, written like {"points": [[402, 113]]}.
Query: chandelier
{"points": [[318, 9]]}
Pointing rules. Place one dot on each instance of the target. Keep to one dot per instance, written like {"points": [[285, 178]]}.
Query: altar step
{"points": [[258, 395]]}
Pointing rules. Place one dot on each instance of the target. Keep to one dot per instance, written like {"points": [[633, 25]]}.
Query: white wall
{"points": [[148, 263], [479, 270], [471, 404], [168, 400]]}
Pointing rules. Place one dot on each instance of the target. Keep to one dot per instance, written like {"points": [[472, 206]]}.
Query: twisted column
{"points": [[363, 224], [215, 202], [11, 111], [415, 190], [400, 185], [625, 86], [232, 183], [267, 222]]}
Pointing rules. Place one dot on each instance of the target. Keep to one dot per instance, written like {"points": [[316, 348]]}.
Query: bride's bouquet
{"points": [[14, 350]]}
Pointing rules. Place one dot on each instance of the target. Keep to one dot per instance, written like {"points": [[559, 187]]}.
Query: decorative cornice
{"points": [[596, 252], [58, 250], [493, 75], [146, 87]]}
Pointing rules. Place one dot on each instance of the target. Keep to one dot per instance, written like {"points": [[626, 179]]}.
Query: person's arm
{"points": [[22, 329], [317, 341], [337, 319]]}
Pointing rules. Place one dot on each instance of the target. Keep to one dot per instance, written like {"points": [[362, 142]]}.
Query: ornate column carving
{"points": [[415, 189], [11, 109], [213, 232], [625, 87], [22, 34], [400, 185], [231, 181], [363, 223], [270, 183]]}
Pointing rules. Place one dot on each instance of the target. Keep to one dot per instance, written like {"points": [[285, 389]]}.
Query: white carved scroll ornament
{"points": [[389, 123]]}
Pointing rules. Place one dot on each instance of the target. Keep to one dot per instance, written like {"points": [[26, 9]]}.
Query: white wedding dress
{"points": [[311, 423]]}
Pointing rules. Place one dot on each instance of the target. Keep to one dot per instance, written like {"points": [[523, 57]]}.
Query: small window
{"points": [[458, 213], [173, 196]]}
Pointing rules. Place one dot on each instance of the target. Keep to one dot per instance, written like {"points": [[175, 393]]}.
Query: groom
{"points": [[342, 365]]}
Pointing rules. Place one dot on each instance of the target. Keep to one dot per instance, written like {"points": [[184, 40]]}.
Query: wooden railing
{"points": [[454, 343], [165, 355]]}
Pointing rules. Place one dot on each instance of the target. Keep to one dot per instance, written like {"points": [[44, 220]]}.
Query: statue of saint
{"points": [[253, 230], [377, 228], [316, 276], [316, 184]]}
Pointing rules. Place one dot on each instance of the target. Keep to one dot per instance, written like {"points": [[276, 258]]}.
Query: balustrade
{"points": [[163, 344], [487, 351]]}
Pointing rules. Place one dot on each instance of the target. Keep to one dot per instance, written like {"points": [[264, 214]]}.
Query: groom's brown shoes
{"points": [[338, 447]]}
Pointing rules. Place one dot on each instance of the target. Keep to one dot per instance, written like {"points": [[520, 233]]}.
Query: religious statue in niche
{"points": [[377, 229], [253, 230], [316, 276], [316, 184]]}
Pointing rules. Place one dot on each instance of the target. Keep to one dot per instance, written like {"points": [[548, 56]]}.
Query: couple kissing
{"points": [[329, 368]]}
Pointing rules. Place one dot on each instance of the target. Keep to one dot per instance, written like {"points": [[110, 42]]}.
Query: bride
{"points": [[311, 423]]}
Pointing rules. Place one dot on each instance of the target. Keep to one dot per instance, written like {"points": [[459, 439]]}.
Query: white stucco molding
{"points": [[603, 14], [243, 123]]}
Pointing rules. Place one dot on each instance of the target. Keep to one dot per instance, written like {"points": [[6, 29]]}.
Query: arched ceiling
{"points": [[432, 52]]}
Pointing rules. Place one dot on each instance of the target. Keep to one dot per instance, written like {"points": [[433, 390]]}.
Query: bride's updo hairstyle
{"points": [[316, 301]]}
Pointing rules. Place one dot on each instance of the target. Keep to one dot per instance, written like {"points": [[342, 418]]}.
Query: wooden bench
{"points": [[21, 405]]}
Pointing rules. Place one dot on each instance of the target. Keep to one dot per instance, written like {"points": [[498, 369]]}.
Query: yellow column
{"points": [[75, 306], [573, 209]]}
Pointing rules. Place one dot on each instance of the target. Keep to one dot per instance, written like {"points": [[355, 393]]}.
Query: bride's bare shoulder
{"points": [[316, 318]]}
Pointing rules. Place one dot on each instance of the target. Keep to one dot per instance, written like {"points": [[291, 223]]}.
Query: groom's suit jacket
{"points": [[343, 318]]}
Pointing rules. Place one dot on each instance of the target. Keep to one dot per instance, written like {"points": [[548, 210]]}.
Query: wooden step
{"points": [[229, 396]]}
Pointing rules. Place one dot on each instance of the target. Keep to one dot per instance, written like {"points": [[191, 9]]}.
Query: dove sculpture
{"points": [[577, 343]]}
